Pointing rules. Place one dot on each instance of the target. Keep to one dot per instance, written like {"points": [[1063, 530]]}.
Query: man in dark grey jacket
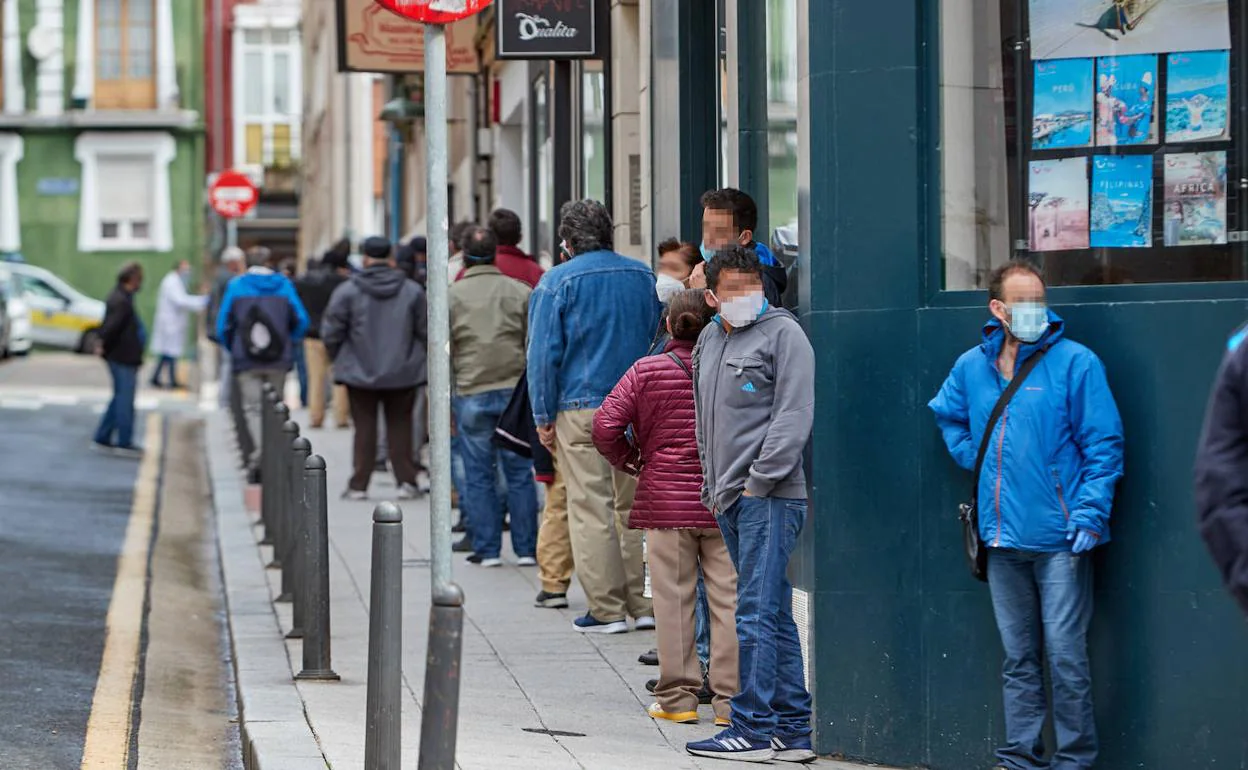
{"points": [[374, 330], [754, 386]]}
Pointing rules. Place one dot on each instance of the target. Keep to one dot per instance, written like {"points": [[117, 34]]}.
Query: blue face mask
{"points": [[708, 253], [1028, 321]]}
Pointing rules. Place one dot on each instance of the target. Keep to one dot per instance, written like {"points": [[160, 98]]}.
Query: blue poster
{"points": [[1126, 100], [1122, 201], [1062, 112], [1198, 96]]}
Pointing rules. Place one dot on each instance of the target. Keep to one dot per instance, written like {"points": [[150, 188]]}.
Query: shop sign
{"points": [[372, 38], [546, 29]]}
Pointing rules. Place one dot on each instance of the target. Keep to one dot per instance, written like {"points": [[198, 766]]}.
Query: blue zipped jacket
{"points": [[590, 319], [275, 296], [1056, 453]]}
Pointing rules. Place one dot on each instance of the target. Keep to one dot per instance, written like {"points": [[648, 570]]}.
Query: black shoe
{"points": [[459, 528], [649, 658], [650, 685], [474, 559], [551, 601], [253, 476], [463, 545]]}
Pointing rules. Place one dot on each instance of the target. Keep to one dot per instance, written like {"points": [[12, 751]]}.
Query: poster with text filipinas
{"points": [[1126, 107], [1198, 96], [1062, 104], [1058, 196], [1065, 29], [1195, 212], [1122, 201]]}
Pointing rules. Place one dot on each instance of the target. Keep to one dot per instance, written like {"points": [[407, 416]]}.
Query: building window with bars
{"points": [[268, 96]]}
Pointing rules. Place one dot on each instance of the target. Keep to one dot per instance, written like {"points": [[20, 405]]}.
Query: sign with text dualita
{"points": [[546, 29]]}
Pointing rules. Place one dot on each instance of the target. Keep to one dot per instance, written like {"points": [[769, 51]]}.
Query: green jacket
{"points": [[489, 322]]}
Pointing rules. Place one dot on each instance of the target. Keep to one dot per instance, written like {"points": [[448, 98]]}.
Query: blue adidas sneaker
{"points": [[795, 748], [732, 744]]}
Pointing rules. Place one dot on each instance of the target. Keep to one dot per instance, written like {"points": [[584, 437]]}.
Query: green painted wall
{"points": [[906, 654]]}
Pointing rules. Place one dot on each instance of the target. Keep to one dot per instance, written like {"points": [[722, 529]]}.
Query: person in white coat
{"points": [[173, 309]]}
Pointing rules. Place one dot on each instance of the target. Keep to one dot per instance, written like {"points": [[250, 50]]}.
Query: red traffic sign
{"points": [[435, 11], [232, 195]]}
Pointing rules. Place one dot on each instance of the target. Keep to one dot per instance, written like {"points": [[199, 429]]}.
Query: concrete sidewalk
{"points": [[535, 694]]}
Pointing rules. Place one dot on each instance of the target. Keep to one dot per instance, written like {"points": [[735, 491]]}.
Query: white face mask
{"points": [[667, 287], [742, 311]]}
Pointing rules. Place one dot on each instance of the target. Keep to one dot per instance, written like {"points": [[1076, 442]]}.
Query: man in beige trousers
{"points": [[590, 318]]}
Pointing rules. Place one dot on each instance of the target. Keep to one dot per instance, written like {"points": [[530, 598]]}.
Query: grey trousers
{"points": [[251, 388]]}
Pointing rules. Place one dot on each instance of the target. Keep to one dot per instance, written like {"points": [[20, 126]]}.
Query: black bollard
{"points": [[284, 511], [268, 437], [439, 721], [300, 449], [316, 649], [382, 741]]}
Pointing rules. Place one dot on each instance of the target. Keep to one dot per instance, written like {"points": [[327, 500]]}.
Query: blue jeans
{"points": [[1043, 605], [761, 533], [477, 417], [166, 362], [119, 417], [702, 623], [301, 371]]}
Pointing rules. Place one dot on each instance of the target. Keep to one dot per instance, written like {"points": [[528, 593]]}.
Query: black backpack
{"points": [[261, 340]]}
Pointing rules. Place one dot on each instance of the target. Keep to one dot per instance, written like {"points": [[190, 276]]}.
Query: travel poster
{"points": [[1198, 96], [1126, 100], [1066, 29], [1195, 213], [1058, 197], [1062, 113], [1122, 201]]}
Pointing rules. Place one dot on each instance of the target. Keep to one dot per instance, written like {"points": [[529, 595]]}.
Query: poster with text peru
{"points": [[1062, 107], [1065, 29], [1058, 195]]}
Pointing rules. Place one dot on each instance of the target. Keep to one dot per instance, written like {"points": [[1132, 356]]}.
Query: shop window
{"points": [[782, 113], [543, 154], [593, 124], [268, 97], [125, 55], [125, 202], [1095, 138]]}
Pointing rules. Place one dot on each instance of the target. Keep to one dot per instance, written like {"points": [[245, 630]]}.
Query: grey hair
{"points": [[259, 256], [586, 226]]}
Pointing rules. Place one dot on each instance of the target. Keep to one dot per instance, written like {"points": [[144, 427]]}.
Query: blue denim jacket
{"points": [[589, 320]]}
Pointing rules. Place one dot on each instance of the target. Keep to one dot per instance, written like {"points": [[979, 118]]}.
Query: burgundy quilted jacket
{"points": [[655, 396]]}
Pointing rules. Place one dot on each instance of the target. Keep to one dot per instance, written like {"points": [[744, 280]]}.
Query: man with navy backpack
{"points": [[260, 322], [1047, 467]]}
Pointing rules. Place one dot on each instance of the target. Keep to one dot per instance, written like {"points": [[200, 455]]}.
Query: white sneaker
{"points": [[644, 623], [526, 561], [491, 563], [588, 624], [356, 495], [409, 492]]}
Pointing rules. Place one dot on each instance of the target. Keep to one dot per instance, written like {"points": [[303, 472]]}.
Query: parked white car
{"points": [[60, 315], [19, 341]]}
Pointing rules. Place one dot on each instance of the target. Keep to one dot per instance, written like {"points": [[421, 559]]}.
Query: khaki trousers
{"points": [[554, 546], [320, 371], [608, 554], [674, 558]]}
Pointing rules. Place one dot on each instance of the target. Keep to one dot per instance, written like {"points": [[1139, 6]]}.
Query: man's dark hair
{"points": [[739, 259], [129, 272], [586, 225], [342, 247], [480, 245], [744, 210], [456, 235], [506, 226], [996, 282]]}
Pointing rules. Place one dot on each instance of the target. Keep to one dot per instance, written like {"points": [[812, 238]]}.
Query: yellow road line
{"points": [[108, 729]]}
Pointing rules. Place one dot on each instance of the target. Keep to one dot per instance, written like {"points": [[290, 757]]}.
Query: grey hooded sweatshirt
{"points": [[754, 391], [375, 329]]}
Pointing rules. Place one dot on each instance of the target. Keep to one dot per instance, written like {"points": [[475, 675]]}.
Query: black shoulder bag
{"points": [[968, 513]]}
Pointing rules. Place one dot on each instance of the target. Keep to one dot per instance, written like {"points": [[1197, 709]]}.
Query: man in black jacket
{"points": [[729, 218], [375, 331], [122, 339], [1222, 470], [315, 288]]}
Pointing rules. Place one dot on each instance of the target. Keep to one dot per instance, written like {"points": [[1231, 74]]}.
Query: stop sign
{"points": [[232, 195], [435, 11]]}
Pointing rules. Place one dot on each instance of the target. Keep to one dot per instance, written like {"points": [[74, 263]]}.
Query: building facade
{"points": [[101, 138]]}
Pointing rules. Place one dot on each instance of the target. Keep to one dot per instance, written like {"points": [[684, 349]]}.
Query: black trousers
{"points": [[398, 406]]}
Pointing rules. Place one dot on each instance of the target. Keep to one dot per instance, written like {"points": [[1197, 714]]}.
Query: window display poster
{"points": [[1122, 201], [1064, 29], [1195, 212], [1062, 113], [1198, 96], [1058, 197], [1126, 108]]}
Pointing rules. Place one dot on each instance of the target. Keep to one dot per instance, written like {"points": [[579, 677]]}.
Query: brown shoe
{"points": [[315, 425]]}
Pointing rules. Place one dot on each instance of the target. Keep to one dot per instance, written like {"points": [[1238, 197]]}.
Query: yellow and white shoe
{"points": [[681, 717]]}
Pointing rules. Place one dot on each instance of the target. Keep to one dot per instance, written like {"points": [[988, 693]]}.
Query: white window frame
{"points": [[162, 148], [14, 90], [167, 95], [12, 149], [267, 19]]}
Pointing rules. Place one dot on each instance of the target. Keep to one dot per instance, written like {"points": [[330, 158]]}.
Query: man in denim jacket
{"points": [[590, 319]]}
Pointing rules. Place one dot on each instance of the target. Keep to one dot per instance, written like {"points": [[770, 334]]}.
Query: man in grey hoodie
{"points": [[754, 385], [375, 331]]}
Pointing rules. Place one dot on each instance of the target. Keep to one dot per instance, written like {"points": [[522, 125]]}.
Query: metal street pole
{"points": [[439, 323]]}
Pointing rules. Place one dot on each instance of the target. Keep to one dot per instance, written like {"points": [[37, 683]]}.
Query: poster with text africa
{"points": [[1195, 208], [1062, 107], [1126, 100], [1065, 29], [1122, 201], [1058, 197], [1198, 96]]}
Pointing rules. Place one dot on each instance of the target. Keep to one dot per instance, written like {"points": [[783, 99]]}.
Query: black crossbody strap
{"points": [[999, 409], [672, 355]]}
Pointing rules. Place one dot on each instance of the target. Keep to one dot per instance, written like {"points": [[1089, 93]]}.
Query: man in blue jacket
{"points": [[1045, 494], [260, 322], [590, 319]]}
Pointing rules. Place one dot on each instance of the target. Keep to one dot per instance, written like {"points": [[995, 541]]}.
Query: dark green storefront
{"points": [[905, 655]]}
